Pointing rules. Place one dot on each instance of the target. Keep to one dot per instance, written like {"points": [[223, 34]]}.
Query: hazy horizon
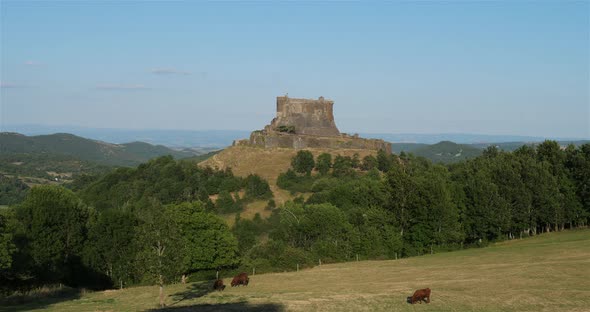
{"points": [[176, 138], [42, 128], [490, 68]]}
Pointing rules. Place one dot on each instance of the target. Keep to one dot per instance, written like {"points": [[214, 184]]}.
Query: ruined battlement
{"points": [[305, 116], [307, 123]]}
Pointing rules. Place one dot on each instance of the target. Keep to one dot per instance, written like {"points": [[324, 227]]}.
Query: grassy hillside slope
{"points": [[550, 272], [267, 163]]}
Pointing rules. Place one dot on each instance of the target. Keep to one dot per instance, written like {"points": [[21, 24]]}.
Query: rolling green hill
{"points": [[59, 158], [63, 144], [447, 152]]}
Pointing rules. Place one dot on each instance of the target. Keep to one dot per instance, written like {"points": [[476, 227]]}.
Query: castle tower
{"points": [[306, 116], [306, 123]]}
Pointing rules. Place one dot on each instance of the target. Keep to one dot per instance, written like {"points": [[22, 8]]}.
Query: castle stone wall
{"points": [[309, 117], [298, 141], [313, 125]]}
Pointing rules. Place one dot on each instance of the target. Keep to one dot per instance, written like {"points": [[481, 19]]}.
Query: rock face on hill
{"points": [[307, 123]]}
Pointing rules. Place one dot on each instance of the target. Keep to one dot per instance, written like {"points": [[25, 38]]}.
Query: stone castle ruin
{"points": [[308, 117], [307, 123]]}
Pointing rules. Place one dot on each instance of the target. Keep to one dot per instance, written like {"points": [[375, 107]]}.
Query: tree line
{"points": [[396, 206], [161, 221], [153, 224]]}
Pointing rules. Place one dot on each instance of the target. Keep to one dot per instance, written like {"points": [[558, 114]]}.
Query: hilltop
{"points": [[543, 273]]}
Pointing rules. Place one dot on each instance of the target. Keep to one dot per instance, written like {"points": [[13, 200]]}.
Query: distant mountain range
{"points": [[450, 152], [461, 138], [205, 141], [66, 151], [215, 139], [59, 158], [103, 153]]}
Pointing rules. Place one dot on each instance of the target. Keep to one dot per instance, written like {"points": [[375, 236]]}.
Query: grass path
{"points": [[550, 272]]}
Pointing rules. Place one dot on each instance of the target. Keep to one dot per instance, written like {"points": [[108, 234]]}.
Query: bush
{"points": [[303, 162], [292, 182], [257, 188], [343, 167], [225, 203], [286, 129], [324, 163]]}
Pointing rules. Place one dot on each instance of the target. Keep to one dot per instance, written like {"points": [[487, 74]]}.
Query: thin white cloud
{"points": [[169, 71], [33, 63], [122, 87], [10, 85]]}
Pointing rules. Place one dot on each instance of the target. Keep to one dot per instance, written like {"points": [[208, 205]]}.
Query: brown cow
{"points": [[240, 279], [419, 296], [218, 285]]}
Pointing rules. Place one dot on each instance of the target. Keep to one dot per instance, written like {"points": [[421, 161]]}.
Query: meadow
{"points": [[549, 272]]}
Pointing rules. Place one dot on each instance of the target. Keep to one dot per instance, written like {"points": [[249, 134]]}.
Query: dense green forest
{"points": [[12, 190], [40, 166], [158, 222]]}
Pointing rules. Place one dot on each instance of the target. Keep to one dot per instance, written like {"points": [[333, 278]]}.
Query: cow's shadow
{"points": [[200, 289], [195, 290]]}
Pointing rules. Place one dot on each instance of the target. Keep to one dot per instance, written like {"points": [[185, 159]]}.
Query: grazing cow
{"points": [[419, 296], [218, 285], [240, 279]]}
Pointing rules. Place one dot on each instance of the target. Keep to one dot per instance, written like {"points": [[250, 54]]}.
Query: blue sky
{"points": [[519, 68]]}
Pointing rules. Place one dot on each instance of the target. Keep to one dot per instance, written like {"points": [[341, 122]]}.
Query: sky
{"points": [[493, 67]]}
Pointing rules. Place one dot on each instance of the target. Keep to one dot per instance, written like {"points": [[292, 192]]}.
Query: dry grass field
{"points": [[550, 272]]}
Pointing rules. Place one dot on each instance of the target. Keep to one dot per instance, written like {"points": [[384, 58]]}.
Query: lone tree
{"points": [[256, 187], [113, 250], [324, 163], [343, 166], [53, 220], [162, 250], [303, 162], [208, 241]]}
